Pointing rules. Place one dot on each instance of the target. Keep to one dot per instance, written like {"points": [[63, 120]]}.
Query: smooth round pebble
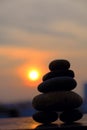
{"points": [[59, 64], [57, 84], [71, 116], [58, 73], [45, 117], [57, 101]]}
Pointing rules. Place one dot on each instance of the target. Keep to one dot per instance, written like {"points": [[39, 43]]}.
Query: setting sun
{"points": [[33, 75]]}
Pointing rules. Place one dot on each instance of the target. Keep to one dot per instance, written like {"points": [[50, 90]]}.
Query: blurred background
{"points": [[32, 34]]}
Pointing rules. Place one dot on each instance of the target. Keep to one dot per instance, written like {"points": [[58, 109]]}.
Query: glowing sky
{"points": [[34, 32]]}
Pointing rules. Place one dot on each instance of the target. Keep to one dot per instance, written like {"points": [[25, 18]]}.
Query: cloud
{"points": [[57, 35], [17, 36], [44, 24], [30, 14]]}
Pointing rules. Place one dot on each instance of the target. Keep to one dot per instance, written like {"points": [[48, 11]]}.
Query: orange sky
{"points": [[34, 33]]}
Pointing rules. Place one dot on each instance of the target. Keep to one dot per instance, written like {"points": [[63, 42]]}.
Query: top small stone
{"points": [[59, 65]]}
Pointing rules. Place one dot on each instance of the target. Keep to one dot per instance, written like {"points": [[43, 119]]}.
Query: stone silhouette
{"points": [[57, 95]]}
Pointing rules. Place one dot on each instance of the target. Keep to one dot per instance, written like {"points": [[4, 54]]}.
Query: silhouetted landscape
{"points": [[25, 109], [21, 109]]}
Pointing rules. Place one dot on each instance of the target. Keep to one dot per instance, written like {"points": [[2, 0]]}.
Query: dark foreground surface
{"points": [[28, 123]]}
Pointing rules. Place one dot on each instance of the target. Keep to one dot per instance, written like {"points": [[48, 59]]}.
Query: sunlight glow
{"points": [[33, 75]]}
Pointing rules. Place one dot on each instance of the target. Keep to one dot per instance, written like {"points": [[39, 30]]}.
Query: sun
{"points": [[33, 75]]}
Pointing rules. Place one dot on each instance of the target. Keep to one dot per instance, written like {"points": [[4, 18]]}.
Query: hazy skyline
{"points": [[35, 32]]}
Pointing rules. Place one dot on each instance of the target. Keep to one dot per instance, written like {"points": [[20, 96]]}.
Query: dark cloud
{"points": [[6, 39]]}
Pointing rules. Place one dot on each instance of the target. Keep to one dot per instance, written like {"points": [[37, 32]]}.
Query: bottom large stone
{"points": [[57, 101]]}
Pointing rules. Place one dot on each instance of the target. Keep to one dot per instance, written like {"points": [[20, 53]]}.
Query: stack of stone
{"points": [[57, 98]]}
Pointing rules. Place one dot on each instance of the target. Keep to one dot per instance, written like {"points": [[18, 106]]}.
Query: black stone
{"points": [[59, 64], [45, 117], [58, 73], [57, 84], [71, 116], [57, 101]]}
